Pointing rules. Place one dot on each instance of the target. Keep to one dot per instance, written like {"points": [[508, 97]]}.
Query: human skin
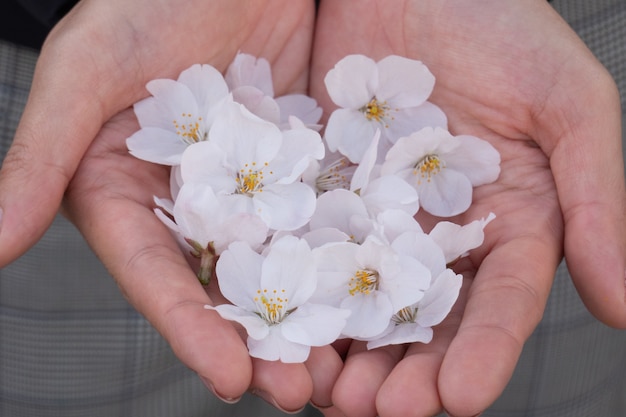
{"points": [[507, 72], [516, 75]]}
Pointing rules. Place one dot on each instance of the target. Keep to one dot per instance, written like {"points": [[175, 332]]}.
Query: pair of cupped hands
{"points": [[512, 73]]}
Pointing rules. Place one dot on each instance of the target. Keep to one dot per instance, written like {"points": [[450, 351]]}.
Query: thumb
{"points": [[587, 163], [61, 117]]}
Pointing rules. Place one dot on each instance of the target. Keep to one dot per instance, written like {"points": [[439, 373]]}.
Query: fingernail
{"points": [[451, 415], [209, 385], [320, 407], [265, 396], [1, 213]]}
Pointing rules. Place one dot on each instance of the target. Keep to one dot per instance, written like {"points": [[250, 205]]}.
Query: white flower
{"points": [[250, 80], [371, 280], [389, 95], [443, 168], [208, 223], [252, 160], [414, 323], [178, 114], [271, 300]]}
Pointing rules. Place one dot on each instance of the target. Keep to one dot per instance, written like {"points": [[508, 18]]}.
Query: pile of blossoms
{"points": [[310, 230]]}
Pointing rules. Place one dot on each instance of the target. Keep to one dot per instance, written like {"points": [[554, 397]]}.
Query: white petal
{"points": [[254, 325], [403, 333], [370, 314], [258, 103], [285, 207], [423, 248], [456, 240], [413, 119], [439, 298], [290, 267], [407, 285], [336, 265], [318, 237], [390, 192], [238, 272], [314, 324], [352, 82], [475, 158], [336, 208], [299, 147], [248, 70], [205, 162], [448, 193], [275, 347], [303, 107], [403, 82], [156, 145], [361, 176], [207, 85], [350, 133]]}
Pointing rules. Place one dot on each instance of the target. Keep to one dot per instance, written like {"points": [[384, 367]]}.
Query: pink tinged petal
{"points": [[319, 237], [275, 347], [448, 193], [301, 106], [254, 325], [403, 82], [156, 145], [350, 133], [171, 100], [476, 158], [299, 147], [403, 333], [205, 162], [239, 275], [314, 324], [352, 82], [176, 180], [370, 314], [422, 248], [413, 119], [336, 208], [390, 192], [363, 171], [207, 85], [290, 269], [456, 240], [258, 103], [407, 284], [248, 70], [439, 299], [285, 207], [244, 137]]}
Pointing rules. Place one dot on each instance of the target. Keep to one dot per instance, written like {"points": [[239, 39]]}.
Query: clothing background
{"points": [[70, 345]]}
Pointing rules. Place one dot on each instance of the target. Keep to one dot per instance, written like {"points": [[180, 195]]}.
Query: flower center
{"points": [[377, 110], [271, 305], [335, 176], [363, 282], [427, 167], [406, 315], [189, 129], [250, 179]]}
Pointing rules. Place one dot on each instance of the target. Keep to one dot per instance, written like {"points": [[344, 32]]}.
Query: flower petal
{"points": [[439, 298], [352, 82], [350, 133], [239, 274], [254, 325], [403, 82], [314, 324], [285, 207], [275, 347], [370, 314]]}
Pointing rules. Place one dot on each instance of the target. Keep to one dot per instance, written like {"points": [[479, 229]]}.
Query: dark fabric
{"points": [[27, 22]]}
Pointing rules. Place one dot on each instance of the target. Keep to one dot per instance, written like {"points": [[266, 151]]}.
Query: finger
{"points": [[363, 374], [286, 386], [505, 303], [324, 365], [411, 387], [588, 168]]}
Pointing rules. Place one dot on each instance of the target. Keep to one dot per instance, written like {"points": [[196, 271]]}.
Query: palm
{"points": [[503, 74], [111, 195]]}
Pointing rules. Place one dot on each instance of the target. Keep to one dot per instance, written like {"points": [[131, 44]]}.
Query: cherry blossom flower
{"points": [[371, 280], [209, 223], [443, 168], [390, 95], [456, 241], [250, 80], [179, 113], [250, 159], [271, 298]]}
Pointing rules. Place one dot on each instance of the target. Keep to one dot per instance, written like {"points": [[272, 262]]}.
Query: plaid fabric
{"points": [[70, 345]]}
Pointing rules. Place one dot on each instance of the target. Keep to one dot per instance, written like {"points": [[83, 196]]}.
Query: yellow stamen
{"points": [[189, 129], [378, 111], [406, 315], [272, 309], [364, 282], [429, 166]]}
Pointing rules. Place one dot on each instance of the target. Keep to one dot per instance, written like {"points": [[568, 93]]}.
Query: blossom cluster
{"points": [[310, 230]]}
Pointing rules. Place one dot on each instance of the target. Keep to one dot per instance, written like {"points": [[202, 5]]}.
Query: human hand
{"points": [[92, 68], [516, 75]]}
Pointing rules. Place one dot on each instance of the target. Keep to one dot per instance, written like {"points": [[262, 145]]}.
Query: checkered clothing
{"points": [[71, 346]]}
